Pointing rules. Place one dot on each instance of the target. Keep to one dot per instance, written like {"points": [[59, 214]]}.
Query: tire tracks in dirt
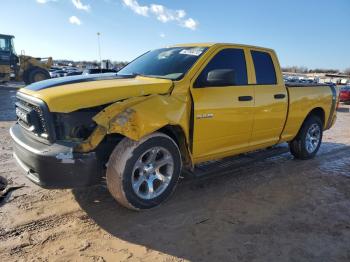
{"points": [[42, 224]]}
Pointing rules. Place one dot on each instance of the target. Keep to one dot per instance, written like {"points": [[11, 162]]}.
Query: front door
{"points": [[223, 106]]}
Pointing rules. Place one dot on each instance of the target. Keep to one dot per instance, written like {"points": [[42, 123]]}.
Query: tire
{"points": [[37, 74], [308, 141], [26, 77], [131, 171]]}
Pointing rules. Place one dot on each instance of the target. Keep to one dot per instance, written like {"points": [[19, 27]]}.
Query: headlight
{"points": [[75, 126]]}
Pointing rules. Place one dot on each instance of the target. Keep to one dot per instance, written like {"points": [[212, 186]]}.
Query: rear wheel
{"points": [[308, 141], [143, 174], [36, 74]]}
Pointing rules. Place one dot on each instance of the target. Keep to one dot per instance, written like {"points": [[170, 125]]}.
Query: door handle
{"points": [[279, 96], [245, 98]]}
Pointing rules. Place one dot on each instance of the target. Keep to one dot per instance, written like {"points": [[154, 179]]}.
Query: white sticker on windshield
{"points": [[196, 51]]}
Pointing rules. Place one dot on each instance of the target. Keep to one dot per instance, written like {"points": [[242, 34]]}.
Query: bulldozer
{"points": [[22, 68]]}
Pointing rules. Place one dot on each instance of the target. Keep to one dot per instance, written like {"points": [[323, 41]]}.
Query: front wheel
{"points": [[143, 174], [308, 141]]}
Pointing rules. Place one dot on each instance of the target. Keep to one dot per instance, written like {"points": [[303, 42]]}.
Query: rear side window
{"points": [[233, 59], [264, 68]]}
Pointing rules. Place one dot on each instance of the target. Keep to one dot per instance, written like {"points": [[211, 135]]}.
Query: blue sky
{"points": [[312, 33]]}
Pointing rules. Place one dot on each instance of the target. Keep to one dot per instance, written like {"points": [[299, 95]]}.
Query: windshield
{"points": [[170, 63]]}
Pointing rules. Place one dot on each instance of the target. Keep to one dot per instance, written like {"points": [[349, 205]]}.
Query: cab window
{"points": [[264, 69], [4, 44], [227, 68]]}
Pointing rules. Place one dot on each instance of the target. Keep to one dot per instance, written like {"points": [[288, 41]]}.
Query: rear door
{"points": [[271, 99], [223, 113]]}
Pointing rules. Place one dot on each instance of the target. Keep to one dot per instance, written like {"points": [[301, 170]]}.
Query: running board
{"points": [[232, 163]]}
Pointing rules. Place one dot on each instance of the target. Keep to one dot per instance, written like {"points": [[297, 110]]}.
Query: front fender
{"points": [[138, 117]]}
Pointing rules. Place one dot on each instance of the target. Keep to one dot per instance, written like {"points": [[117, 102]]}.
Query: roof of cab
{"points": [[6, 36], [219, 44]]}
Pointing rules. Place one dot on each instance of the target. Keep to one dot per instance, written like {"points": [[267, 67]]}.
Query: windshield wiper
{"points": [[134, 74]]}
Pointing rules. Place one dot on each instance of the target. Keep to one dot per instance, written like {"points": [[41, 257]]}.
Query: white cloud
{"points": [[165, 15], [79, 5], [44, 1], [190, 23], [162, 13], [74, 20], [134, 6], [162, 35]]}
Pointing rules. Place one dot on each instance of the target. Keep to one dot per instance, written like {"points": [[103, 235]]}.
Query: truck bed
{"points": [[303, 98]]}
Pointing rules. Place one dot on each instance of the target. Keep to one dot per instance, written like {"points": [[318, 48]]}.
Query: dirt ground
{"points": [[274, 209]]}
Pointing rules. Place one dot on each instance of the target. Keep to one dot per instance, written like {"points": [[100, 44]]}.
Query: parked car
{"points": [[70, 68], [74, 73], [345, 94], [98, 71], [51, 72], [54, 68], [166, 111], [58, 73]]}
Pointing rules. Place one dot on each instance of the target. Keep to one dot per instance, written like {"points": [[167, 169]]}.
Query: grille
{"points": [[32, 117]]}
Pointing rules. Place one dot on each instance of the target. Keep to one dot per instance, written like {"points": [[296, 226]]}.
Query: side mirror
{"points": [[221, 77], [217, 77]]}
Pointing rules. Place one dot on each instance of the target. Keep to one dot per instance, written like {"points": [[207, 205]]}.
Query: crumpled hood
{"points": [[68, 94]]}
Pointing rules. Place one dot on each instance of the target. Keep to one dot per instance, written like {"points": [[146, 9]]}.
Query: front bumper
{"points": [[55, 165]]}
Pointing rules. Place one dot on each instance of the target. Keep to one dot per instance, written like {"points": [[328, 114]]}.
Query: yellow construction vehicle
{"points": [[24, 68]]}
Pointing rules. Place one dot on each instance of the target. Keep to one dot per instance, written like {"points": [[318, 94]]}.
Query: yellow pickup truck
{"points": [[166, 111]]}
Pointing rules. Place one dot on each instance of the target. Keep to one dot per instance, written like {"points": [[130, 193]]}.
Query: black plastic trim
{"points": [[46, 113], [56, 165], [333, 107], [279, 96], [245, 98]]}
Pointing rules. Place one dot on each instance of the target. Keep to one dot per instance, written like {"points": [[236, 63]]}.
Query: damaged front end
{"points": [[137, 117], [53, 162], [85, 138], [118, 114], [66, 129]]}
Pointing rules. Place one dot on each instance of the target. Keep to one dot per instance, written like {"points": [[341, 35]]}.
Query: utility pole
{"points": [[99, 49]]}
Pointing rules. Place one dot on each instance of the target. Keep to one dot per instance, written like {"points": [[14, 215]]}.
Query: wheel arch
{"points": [[177, 133], [319, 112], [298, 146]]}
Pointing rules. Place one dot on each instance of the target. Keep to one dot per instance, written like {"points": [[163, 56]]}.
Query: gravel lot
{"points": [[274, 209]]}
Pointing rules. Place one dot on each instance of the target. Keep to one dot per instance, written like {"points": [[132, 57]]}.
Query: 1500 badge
{"points": [[201, 116]]}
